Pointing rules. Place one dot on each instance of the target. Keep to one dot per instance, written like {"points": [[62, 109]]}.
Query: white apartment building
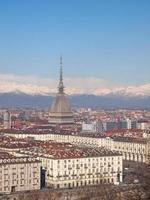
{"points": [[69, 165], [131, 148], [18, 173], [81, 171]]}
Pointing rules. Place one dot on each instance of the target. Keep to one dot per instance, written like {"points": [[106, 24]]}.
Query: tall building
{"points": [[96, 126], [60, 112], [112, 124], [133, 124], [7, 120], [122, 124]]}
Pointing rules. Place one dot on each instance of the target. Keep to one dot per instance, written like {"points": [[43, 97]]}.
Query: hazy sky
{"points": [[105, 39]]}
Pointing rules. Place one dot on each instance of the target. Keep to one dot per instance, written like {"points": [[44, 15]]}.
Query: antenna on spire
{"points": [[61, 69], [61, 86]]}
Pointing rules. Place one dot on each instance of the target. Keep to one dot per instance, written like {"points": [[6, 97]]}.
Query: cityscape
{"points": [[73, 135]]}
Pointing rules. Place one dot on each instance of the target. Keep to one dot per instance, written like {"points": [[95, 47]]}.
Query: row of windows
{"points": [[94, 165], [89, 160], [132, 148], [86, 170], [21, 175], [84, 183], [22, 181], [73, 177]]}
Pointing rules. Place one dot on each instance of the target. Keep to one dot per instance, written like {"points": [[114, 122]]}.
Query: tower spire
{"points": [[61, 69], [61, 86]]}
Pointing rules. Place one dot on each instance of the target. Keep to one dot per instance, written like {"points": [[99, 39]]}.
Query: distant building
{"points": [[133, 124], [99, 126], [89, 127], [23, 116], [129, 122], [120, 124], [60, 112], [96, 126], [108, 125], [143, 125], [7, 120]]}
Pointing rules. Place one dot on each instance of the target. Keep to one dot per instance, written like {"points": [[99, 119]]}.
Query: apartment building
{"points": [[69, 165], [18, 173], [132, 148], [135, 149]]}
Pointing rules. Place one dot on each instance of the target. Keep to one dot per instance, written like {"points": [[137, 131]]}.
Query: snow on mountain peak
{"points": [[37, 86]]}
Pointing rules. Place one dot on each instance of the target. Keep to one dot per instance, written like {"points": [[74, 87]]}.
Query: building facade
{"points": [[7, 120], [67, 165], [132, 149], [66, 173], [18, 174]]}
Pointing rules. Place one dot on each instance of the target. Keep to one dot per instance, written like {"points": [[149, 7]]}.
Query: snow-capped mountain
{"points": [[31, 85]]}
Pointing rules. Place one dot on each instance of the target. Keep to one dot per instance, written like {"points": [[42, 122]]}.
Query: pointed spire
{"points": [[61, 86], [61, 70]]}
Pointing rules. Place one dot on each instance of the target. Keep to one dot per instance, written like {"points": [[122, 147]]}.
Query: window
{"points": [[5, 188]]}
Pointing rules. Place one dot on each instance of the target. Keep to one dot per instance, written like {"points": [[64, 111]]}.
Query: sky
{"points": [[99, 39]]}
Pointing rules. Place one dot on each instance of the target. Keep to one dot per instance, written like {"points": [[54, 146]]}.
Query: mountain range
{"points": [[32, 85], [18, 99], [31, 91]]}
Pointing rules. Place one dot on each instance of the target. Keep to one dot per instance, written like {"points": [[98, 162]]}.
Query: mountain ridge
{"points": [[11, 99], [94, 86]]}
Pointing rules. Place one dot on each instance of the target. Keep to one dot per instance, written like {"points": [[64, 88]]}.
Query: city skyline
{"points": [[107, 44], [74, 99]]}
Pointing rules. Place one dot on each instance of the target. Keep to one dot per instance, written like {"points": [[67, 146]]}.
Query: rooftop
{"points": [[7, 158], [55, 150], [59, 132], [5, 155], [130, 139], [10, 142]]}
